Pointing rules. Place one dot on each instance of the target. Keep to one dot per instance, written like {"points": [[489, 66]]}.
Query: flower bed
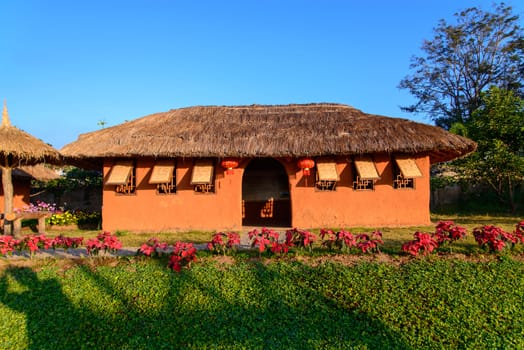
{"points": [[267, 241]]}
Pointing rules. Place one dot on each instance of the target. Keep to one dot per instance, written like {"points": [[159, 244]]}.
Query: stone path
{"points": [[82, 252], [125, 251]]}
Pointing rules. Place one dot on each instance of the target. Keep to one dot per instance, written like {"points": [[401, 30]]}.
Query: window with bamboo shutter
{"points": [[123, 177], [326, 175], [365, 174], [202, 177], [163, 176], [405, 170]]}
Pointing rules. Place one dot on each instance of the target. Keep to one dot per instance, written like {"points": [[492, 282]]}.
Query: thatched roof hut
{"points": [[267, 131], [18, 148]]}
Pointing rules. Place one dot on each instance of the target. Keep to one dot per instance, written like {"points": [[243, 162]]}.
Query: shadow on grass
{"points": [[52, 321], [247, 306]]}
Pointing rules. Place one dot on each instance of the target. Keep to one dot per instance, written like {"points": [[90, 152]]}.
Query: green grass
{"points": [[130, 239], [315, 300], [255, 304], [471, 221]]}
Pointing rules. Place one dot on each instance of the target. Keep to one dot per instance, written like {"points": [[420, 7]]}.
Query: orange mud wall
{"points": [[21, 190], [147, 211], [384, 206]]}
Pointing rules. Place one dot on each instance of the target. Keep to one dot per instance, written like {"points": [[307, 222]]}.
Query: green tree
{"points": [[464, 59], [73, 179], [498, 128]]}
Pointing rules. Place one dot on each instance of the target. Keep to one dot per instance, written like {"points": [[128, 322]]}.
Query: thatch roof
{"points": [[267, 131], [19, 148], [38, 172]]}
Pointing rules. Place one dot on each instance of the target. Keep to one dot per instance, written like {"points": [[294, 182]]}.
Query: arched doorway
{"points": [[265, 194]]}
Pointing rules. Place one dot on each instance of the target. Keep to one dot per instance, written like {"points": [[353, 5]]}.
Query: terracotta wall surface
{"points": [[186, 210], [21, 190], [345, 207]]}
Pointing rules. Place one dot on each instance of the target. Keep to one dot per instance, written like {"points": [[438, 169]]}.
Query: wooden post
{"points": [[7, 183], [41, 224], [17, 227]]}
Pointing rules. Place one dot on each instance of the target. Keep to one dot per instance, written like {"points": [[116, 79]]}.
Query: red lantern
{"points": [[229, 164], [306, 164]]}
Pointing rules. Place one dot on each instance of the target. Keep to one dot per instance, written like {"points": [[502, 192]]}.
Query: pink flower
{"points": [[8, 244], [183, 255], [261, 239], [423, 242], [147, 249], [347, 237], [324, 232], [174, 263], [446, 231], [301, 238], [93, 246], [519, 232], [104, 240], [233, 239], [494, 237], [219, 243], [279, 248]]}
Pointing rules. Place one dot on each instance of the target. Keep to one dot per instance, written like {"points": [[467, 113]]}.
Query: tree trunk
{"points": [[7, 183], [511, 197]]}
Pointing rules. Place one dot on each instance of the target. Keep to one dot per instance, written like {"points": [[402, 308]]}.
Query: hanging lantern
{"points": [[306, 164], [229, 164]]}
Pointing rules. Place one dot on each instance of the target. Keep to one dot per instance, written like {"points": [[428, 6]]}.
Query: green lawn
{"points": [[258, 304], [316, 300], [130, 239]]}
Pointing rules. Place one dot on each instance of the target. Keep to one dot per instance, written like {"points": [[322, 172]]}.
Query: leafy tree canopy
{"points": [[498, 128], [73, 178], [482, 49]]}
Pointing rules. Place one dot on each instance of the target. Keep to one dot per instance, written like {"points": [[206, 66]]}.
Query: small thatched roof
{"points": [[19, 148], [267, 131], [38, 172]]}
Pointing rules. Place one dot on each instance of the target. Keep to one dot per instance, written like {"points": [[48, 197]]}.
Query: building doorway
{"points": [[265, 194]]}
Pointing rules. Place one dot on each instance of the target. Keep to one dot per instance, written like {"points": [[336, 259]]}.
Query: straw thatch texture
{"points": [[267, 131], [19, 148], [38, 172]]}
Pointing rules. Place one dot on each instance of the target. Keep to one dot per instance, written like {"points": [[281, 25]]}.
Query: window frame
{"points": [[129, 187], [169, 187], [400, 181], [363, 184], [327, 184], [204, 187]]}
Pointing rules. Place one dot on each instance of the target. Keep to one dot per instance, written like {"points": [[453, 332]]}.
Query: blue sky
{"points": [[67, 65]]}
